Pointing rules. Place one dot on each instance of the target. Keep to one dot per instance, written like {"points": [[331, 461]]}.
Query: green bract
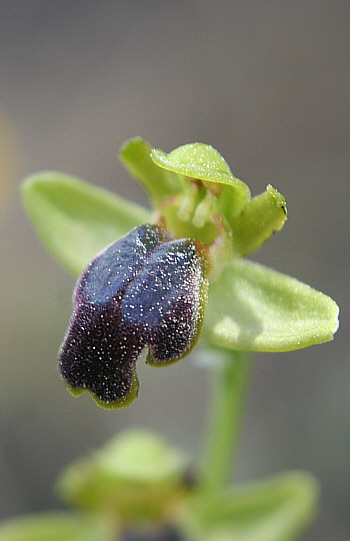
{"points": [[194, 195]]}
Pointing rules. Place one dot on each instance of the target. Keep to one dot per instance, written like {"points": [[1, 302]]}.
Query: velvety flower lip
{"points": [[144, 291]]}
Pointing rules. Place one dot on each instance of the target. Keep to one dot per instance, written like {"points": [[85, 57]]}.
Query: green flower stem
{"points": [[230, 382]]}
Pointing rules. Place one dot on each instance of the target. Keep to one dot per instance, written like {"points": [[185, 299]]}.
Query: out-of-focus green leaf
{"points": [[262, 216], [136, 477], [203, 162], [278, 509], [135, 154], [75, 219], [55, 527], [254, 308]]}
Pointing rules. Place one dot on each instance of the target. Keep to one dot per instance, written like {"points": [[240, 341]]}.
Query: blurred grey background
{"points": [[267, 84]]}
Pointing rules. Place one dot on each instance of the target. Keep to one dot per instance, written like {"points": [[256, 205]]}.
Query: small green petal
{"points": [[277, 509], [261, 217], [254, 308], [135, 154], [135, 477], [203, 162], [54, 527], [76, 220]]}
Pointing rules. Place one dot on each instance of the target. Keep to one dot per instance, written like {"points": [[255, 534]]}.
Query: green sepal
{"points": [[55, 526], [261, 217], [135, 478], [276, 509], [76, 220], [203, 162], [254, 308], [135, 154]]}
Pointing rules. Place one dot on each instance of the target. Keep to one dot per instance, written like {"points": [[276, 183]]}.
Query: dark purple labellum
{"points": [[143, 292]]}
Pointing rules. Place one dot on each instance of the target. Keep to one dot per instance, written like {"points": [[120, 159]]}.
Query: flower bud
{"points": [[143, 293]]}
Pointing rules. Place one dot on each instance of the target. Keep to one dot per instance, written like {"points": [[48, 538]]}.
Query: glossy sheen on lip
{"points": [[143, 291]]}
